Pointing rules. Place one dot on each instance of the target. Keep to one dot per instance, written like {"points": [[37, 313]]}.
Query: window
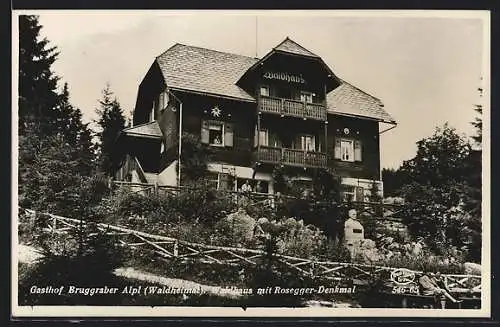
{"points": [[152, 113], [360, 194], [266, 138], [262, 187], [213, 180], [349, 193], [263, 137], [308, 143], [305, 142], [163, 101], [306, 97], [353, 193], [217, 133], [264, 90], [346, 150], [220, 181], [226, 182]]}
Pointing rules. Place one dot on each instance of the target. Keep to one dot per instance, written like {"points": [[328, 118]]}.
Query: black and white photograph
{"points": [[250, 163]]}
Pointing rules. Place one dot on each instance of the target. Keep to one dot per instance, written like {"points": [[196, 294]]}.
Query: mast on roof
{"points": [[256, 37]]}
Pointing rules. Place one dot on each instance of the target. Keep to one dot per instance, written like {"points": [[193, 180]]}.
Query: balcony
{"points": [[291, 157], [292, 108]]}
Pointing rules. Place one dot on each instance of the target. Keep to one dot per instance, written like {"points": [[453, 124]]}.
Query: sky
{"points": [[426, 69]]}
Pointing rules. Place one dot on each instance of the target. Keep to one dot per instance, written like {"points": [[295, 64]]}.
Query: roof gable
{"points": [[293, 47], [290, 48], [151, 129]]}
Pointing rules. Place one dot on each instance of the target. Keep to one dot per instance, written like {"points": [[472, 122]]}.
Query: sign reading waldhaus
{"points": [[287, 108]]}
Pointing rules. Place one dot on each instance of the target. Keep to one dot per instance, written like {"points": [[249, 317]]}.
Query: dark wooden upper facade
{"points": [[283, 116]]}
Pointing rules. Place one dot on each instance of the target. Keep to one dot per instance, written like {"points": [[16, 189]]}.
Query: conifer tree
{"points": [[55, 148], [478, 124], [69, 121], [111, 122], [38, 96]]}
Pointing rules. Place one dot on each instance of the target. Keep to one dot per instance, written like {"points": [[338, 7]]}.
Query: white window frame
{"points": [[163, 99], [265, 133], [223, 125], [352, 194], [212, 180], [152, 112], [305, 95], [350, 149], [266, 87], [303, 142]]}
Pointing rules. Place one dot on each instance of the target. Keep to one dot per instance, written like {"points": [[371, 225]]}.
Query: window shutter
{"points": [[204, 132], [228, 134], [357, 151], [337, 154]]}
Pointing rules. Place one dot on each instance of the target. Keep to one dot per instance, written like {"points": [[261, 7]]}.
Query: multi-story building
{"points": [[287, 108]]}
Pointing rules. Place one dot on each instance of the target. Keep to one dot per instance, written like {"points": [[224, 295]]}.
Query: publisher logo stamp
{"points": [[402, 276]]}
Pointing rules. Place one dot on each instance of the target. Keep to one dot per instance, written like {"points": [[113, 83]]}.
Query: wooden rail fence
{"points": [[175, 249]]}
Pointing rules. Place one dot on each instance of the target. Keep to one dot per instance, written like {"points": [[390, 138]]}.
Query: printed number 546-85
{"points": [[404, 290]]}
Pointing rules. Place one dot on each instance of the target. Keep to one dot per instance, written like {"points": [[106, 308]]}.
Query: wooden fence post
{"points": [[176, 248], [32, 220]]}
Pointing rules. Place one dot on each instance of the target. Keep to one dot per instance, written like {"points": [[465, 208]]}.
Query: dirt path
{"points": [[29, 255]]}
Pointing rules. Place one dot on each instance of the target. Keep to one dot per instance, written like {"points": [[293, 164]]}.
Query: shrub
{"points": [[236, 228], [422, 263], [85, 258], [203, 204], [270, 272], [334, 250]]}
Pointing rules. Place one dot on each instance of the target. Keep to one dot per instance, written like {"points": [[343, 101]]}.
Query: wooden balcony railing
{"points": [[293, 108], [291, 157]]}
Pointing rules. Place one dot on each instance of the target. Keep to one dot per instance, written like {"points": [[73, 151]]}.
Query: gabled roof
{"points": [[349, 100], [151, 129], [293, 47], [211, 72], [290, 47], [203, 70]]}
